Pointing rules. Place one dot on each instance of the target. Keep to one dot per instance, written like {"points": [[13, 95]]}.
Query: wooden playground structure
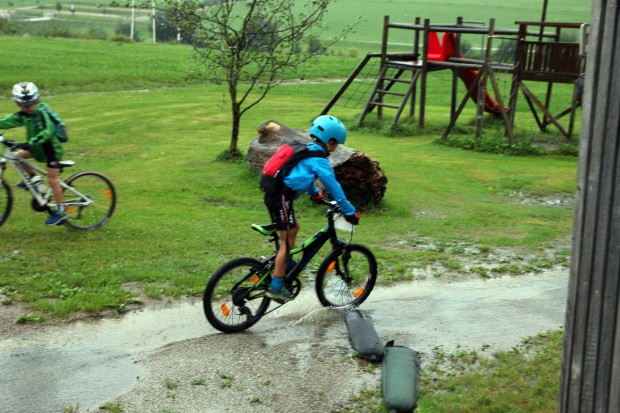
{"points": [[539, 56]]}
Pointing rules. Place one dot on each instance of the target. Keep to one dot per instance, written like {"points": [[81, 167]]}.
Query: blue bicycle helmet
{"points": [[326, 128]]}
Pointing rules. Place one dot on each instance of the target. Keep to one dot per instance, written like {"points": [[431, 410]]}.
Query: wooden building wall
{"points": [[590, 377]]}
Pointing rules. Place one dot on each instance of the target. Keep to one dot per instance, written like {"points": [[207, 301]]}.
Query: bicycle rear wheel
{"points": [[232, 300], [346, 277], [6, 201], [90, 201]]}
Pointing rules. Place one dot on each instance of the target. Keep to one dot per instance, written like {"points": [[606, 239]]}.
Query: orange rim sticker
{"points": [[225, 310]]}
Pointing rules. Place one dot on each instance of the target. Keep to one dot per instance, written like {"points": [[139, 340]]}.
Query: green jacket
{"points": [[39, 129]]}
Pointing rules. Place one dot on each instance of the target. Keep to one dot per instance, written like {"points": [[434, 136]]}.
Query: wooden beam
{"points": [[590, 373]]}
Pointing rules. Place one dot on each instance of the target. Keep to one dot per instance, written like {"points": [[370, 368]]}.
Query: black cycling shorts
{"points": [[280, 207], [50, 155]]}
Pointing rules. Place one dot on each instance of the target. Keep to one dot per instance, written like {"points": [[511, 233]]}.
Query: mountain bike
{"points": [[89, 196], [234, 298]]}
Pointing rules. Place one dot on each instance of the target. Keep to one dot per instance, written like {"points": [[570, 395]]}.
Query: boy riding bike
{"points": [[42, 141], [328, 132]]}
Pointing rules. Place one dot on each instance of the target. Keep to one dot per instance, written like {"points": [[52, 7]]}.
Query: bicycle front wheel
{"points": [[6, 201], [234, 299], [90, 200], [346, 277]]}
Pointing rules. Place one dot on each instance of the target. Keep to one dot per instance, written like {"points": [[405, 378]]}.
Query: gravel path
{"points": [[297, 359]]}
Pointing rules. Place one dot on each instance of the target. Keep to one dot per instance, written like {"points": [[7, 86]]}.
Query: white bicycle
{"points": [[89, 196]]}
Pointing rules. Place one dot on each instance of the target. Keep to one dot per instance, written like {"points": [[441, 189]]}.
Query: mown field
{"points": [[136, 115], [100, 15]]}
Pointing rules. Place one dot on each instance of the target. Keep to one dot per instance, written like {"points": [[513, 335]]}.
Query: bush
{"points": [[120, 38], [124, 28], [10, 28], [505, 52], [55, 29], [493, 144], [314, 45], [95, 34], [569, 149]]}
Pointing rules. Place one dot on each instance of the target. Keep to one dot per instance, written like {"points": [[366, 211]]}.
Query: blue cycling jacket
{"points": [[302, 176]]}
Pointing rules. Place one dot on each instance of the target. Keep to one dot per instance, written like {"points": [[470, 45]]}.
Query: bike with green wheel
{"points": [[234, 298]]}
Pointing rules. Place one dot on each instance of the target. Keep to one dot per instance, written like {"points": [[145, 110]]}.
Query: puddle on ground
{"points": [[86, 363], [89, 363]]}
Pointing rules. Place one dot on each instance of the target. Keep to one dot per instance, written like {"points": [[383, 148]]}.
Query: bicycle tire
{"points": [[97, 187], [6, 201], [346, 277], [232, 302]]}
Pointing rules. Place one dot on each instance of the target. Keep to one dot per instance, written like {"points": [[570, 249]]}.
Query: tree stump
{"points": [[361, 178]]}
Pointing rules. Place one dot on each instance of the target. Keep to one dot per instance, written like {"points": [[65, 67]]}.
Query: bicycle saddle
{"points": [[265, 229]]}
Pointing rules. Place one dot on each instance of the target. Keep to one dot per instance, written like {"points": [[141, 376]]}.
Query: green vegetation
{"points": [[182, 213], [137, 114], [522, 380], [94, 18]]}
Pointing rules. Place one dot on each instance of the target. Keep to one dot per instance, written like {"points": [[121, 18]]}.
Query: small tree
{"points": [[248, 45]]}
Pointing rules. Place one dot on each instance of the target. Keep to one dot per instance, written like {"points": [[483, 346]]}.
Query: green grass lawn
{"points": [[135, 116], [181, 214]]}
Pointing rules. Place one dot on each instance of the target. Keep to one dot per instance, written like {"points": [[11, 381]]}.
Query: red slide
{"points": [[468, 76], [440, 52]]}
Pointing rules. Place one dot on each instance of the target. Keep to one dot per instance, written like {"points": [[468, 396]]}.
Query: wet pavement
{"points": [[89, 363]]}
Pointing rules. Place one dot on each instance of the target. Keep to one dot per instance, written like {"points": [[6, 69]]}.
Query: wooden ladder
{"points": [[383, 87]]}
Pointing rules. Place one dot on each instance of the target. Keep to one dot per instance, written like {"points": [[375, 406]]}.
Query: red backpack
{"points": [[281, 163]]}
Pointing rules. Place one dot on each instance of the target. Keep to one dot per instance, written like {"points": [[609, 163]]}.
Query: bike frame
{"points": [[310, 247], [16, 161]]}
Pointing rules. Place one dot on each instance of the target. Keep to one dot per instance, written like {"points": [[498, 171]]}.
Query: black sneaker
{"points": [[280, 294]]}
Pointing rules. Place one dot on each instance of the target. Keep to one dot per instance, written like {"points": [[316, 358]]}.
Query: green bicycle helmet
{"points": [[326, 128], [25, 93]]}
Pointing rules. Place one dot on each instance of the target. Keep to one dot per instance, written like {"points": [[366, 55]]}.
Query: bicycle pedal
{"points": [[244, 311]]}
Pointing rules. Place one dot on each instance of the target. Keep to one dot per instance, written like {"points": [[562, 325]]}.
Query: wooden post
{"points": [[427, 24], [482, 87], [590, 376], [455, 76], [416, 54], [384, 43], [516, 72]]}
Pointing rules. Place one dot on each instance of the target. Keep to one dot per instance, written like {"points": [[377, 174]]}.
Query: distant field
{"points": [[96, 14]]}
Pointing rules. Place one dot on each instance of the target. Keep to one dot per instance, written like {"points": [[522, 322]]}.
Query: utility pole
{"points": [[133, 18], [154, 23]]}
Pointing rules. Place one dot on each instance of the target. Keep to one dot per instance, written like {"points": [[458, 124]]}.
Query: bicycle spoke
{"points": [[346, 279], [233, 300], [90, 200]]}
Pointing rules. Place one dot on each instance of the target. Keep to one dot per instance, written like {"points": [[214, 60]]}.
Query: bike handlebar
{"points": [[7, 143], [4, 141], [332, 204]]}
